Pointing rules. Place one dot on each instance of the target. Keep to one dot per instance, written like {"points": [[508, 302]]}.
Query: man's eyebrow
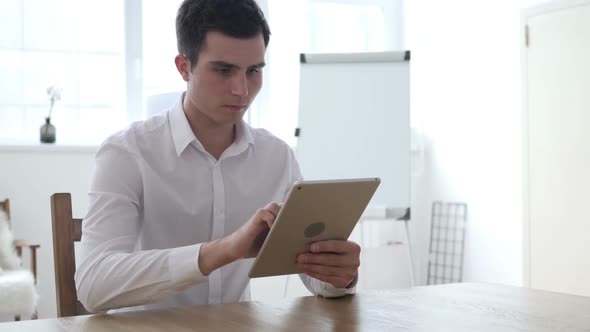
{"points": [[260, 65], [230, 65], [222, 64]]}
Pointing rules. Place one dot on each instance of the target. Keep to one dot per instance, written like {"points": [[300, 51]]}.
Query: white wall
{"points": [[29, 176], [466, 100]]}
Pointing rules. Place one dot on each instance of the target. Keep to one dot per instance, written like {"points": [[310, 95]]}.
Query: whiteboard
{"points": [[354, 121]]}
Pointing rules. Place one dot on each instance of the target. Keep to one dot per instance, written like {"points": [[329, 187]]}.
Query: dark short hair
{"points": [[235, 18]]}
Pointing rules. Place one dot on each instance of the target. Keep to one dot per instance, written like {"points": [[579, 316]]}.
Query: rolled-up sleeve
{"points": [[110, 274]]}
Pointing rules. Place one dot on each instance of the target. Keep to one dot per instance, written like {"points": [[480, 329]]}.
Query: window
{"points": [[78, 45], [97, 49], [342, 27], [159, 48]]}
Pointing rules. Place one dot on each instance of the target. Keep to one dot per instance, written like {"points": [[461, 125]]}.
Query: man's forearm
{"points": [[117, 279], [214, 255]]}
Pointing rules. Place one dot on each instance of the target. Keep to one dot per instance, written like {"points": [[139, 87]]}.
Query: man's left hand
{"points": [[334, 261]]}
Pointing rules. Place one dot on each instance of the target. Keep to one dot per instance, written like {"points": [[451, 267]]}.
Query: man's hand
{"points": [[243, 243], [334, 262], [248, 239]]}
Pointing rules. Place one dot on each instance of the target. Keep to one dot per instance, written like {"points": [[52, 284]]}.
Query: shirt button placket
{"points": [[218, 230]]}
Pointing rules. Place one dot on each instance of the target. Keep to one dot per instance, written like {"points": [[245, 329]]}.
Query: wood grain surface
{"points": [[453, 307]]}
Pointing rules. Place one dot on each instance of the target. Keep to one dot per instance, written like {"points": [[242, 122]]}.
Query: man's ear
{"points": [[183, 65]]}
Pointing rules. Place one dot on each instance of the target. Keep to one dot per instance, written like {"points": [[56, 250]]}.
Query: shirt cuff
{"points": [[330, 291], [183, 264], [325, 289]]}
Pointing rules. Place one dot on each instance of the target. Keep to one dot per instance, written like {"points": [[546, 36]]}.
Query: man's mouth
{"points": [[235, 107]]}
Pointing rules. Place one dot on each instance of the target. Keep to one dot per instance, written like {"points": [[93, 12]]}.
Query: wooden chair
{"points": [[20, 244], [66, 231]]}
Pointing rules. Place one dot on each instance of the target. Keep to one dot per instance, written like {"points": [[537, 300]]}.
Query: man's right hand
{"points": [[248, 239], [243, 243]]}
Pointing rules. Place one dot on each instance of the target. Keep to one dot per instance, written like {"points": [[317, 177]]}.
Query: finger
{"points": [[332, 271], [336, 246], [329, 259], [337, 282], [265, 216], [273, 208]]}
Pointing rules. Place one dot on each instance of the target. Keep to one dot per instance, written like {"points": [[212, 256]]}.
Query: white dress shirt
{"points": [[156, 195]]}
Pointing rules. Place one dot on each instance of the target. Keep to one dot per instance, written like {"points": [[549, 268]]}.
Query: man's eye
{"points": [[223, 71], [254, 71]]}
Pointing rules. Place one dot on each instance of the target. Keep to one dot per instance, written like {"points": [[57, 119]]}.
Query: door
{"points": [[557, 144]]}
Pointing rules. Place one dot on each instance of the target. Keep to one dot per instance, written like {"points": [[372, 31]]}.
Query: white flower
{"points": [[54, 92]]}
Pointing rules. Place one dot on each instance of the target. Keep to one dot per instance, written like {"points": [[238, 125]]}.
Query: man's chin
{"points": [[232, 117]]}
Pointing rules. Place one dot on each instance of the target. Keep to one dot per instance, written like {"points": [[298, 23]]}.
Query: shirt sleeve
{"points": [[318, 287], [315, 286], [110, 274]]}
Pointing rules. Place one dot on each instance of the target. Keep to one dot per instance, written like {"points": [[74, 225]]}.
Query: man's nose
{"points": [[239, 85]]}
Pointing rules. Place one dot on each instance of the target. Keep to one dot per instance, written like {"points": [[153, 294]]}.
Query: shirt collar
{"points": [[183, 135], [244, 138], [244, 133]]}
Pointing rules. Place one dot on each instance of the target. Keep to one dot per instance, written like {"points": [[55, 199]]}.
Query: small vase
{"points": [[47, 132]]}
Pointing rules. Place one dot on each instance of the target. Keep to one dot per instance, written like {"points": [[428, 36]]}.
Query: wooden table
{"points": [[455, 307]]}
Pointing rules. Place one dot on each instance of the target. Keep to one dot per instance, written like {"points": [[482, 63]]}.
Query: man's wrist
{"points": [[214, 255]]}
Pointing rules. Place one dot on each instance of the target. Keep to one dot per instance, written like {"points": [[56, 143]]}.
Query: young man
{"points": [[175, 201]]}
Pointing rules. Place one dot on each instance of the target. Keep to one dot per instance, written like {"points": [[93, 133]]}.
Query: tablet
{"points": [[314, 211]]}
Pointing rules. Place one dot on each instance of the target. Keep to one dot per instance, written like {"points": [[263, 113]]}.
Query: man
{"points": [[175, 200]]}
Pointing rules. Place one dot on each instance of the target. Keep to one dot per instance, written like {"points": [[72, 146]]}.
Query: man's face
{"points": [[226, 77]]}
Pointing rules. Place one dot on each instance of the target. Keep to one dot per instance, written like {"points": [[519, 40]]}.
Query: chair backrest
{"points": [[66, 231], [5, 206]]}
